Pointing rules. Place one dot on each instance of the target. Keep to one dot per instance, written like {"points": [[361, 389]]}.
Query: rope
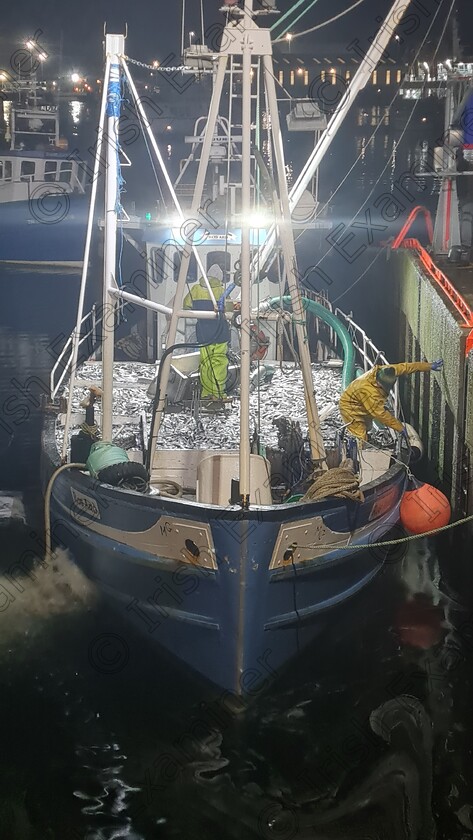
{"points": [[399, 541], [340, 481], [90, 429]]}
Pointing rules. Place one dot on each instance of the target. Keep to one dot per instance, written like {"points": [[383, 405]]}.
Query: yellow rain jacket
{"points": [[215, 334], [364, 399]]}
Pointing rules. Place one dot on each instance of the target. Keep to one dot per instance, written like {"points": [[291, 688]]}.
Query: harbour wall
{"points": [[411, 319]]}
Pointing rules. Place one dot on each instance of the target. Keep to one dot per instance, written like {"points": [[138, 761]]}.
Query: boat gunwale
{"points": [[223, 512]]}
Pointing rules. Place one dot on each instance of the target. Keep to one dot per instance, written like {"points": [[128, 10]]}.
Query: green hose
{"points": [[348, 371]]}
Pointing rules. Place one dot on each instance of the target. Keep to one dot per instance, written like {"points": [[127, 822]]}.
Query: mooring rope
{"points": [[398, 541]]}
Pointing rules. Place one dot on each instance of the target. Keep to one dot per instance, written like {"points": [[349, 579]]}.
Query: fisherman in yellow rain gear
{"points": [[364, 399], [214, 334]]}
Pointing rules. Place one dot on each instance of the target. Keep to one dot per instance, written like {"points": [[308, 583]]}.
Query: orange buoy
{"points": [[424, 509]]}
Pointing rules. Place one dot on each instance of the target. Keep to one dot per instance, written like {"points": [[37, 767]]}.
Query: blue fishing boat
{"points": [[224, 557], [43, 202]]}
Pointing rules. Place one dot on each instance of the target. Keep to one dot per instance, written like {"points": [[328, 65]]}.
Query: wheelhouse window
{"points": [[157, 265], [27, 170], [192, 275], [65, 172], [50, 170], [223, 260]]}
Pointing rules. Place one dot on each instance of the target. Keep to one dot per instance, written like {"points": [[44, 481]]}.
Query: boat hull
{"points": [[45, 231], [216, 587]]}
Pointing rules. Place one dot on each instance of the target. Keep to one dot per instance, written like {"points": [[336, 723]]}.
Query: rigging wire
{"points": [[443, 31], [378, 254], [325, 22], [286, 14], [379, 125], [297, 19], [406, 126], [151, 160]]}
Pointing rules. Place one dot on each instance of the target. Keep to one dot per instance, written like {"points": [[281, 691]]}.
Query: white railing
{"points": [[76, 183], [55, 386]]}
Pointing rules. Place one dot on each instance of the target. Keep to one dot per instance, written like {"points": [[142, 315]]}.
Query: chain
{"points": [[158, 69]]}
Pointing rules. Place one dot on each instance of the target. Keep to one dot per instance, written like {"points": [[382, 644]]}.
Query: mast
{"points": [[243, 38], [245, 259], [257, 41], [114, 47]]}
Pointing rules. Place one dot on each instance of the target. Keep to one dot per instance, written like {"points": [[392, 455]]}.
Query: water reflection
{"points": [[366, 736], [76, 109]]}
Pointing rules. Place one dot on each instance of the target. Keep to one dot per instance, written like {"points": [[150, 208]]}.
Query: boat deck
{"points": [[188, 426]]}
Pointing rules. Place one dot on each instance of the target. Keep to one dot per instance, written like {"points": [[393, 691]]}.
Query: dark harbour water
{"points": [[368, 736]]}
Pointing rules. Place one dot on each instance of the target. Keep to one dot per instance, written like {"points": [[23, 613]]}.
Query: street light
{"points": [[289, 39], [191, 36], [42, 58]]}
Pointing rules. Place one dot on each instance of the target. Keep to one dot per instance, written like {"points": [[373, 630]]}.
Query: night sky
{"points": [[154, 32]]}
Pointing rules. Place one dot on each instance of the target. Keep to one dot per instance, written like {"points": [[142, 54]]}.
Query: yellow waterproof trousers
{"points": [[213, 370], [358, 428]]}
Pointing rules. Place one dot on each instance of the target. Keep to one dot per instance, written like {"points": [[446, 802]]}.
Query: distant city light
{"points": [[75, 78]]}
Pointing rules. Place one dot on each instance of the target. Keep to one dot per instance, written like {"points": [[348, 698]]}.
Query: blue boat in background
{"points": [[43, 202]]}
